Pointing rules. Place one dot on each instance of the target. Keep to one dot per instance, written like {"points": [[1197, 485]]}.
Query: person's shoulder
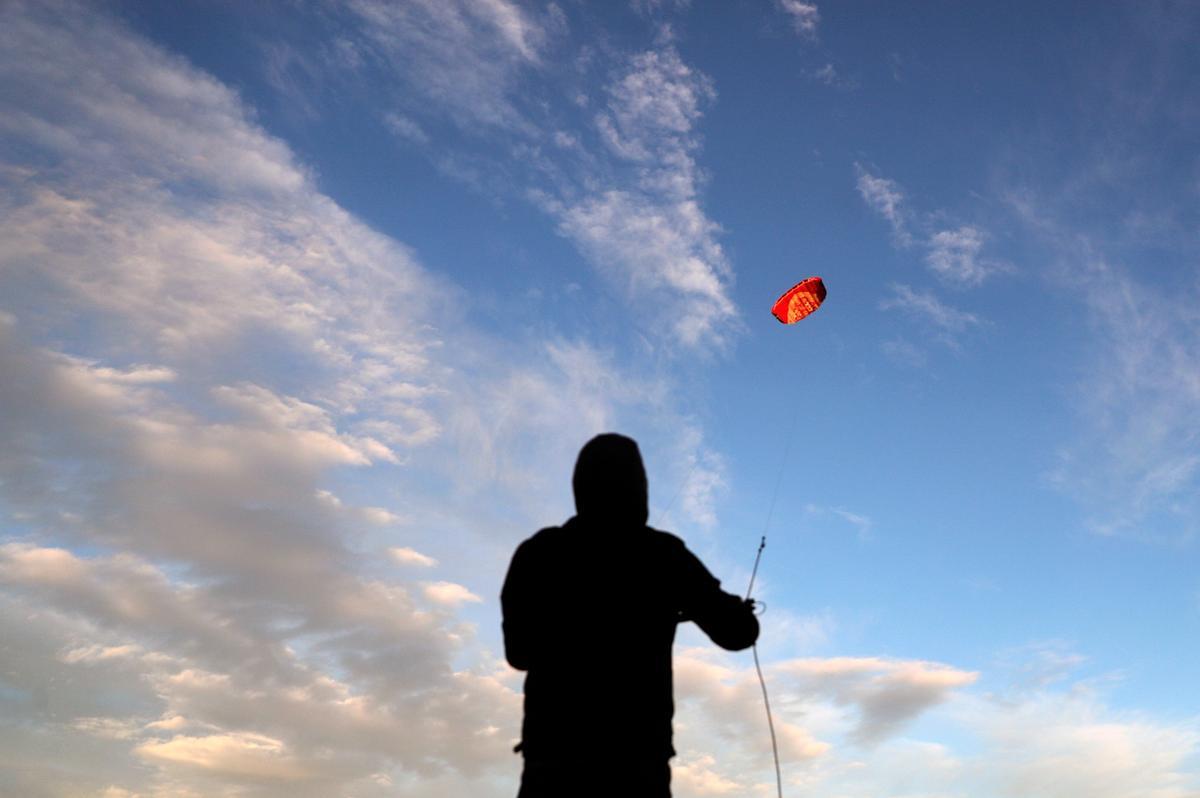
{"points": [[543, 538], [666, 541], [665, 537]]}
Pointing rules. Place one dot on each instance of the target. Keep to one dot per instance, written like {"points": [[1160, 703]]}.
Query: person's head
{"points": [[610, 481]]}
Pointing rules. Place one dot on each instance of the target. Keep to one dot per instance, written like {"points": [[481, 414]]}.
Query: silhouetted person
{"points": [[590, 610]]}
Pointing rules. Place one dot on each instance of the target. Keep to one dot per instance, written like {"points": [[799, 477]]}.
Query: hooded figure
{"points": [[590, 610]]}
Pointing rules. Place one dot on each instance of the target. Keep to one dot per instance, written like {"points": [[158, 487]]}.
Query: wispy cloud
{"points": [[903, 352], [464, 56], [1134, 460], [886, 198], [830, 76], [955, 256], [405, 128], [948, 323], [650, 232], [804, 16], [860, 522], [624, 186]]}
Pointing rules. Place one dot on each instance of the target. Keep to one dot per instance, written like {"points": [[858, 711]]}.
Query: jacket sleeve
{"points": [[728, 620], [516, 609]]}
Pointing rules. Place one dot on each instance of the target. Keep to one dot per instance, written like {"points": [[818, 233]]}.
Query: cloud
{"points": [[237, 756], [449, 594], [855, 726], [650, 234], [1060, 745], [625, 189], [728, 700], [829, 76], [185, 597], [200, 365], [830, 715], [885, 197], [1132, 460], [947, 323], [406, 556], [658, 253], [804, 16], [697, 775], [860, 522], [406, 128], [903, 353], [705, 481], [954, 256], [230, 700], [887, 694], [463, 56], [653, 105]]}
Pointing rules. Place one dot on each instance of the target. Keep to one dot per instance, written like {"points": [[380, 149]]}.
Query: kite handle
{"points": [[762, 544]]}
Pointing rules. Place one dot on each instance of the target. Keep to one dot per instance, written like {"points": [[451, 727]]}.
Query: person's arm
{"points": [[515, 609], [728, 620]]}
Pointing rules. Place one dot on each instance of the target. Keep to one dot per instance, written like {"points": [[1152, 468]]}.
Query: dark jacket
{"points": [[590, 610]]}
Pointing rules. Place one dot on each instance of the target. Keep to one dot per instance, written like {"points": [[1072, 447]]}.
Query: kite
{"points": [[800, 300]]}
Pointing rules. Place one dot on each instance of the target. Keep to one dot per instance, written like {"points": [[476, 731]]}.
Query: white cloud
{"points": [[381, 516], [406, 128], [860, 522], [948, 323], [449, 594], [885, 197], [404, 555], [1057, 746], [1129, 458], [852, 726], [1133, 460], [241, 326], [626, 191], [235, 755], [804, 15], [954, 256], [464, 56], [225, 587], [652, 237], [698, 775], [829, 76], [652, 108], [659, 252], [886, 694]]}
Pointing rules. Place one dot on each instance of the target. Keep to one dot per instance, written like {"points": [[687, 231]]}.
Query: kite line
{"points": [[762, 544], [796, 303]]}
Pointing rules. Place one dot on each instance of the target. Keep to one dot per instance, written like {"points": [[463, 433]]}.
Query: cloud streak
{"points": [[650, 233], [804, 16], [955, 256]]}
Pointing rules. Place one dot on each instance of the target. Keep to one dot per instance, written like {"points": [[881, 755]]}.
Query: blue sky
{"points": [[306, 309]]}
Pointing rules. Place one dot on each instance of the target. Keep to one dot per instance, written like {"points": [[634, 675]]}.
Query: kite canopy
{"points": [[800, 300]]}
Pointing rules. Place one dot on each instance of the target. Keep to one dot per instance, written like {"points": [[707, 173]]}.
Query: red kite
{"points": [[800, 300]]}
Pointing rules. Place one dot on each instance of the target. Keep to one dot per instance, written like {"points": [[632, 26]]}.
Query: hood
{"points": [[610, 481]]}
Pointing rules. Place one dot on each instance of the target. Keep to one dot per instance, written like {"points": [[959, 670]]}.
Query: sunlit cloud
{"points": [[403, 555]]}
